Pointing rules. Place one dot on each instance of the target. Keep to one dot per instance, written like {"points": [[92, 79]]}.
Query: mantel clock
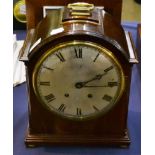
{"points": [[78, 70]]}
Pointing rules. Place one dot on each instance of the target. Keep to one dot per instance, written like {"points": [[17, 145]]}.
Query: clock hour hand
{"points": [[82, 84]]}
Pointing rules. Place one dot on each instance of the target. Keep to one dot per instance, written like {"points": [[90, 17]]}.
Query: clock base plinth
{"points": [[66, 140]]}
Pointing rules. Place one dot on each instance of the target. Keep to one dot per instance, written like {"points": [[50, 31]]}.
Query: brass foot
{"points": [[124, 146], [30, 145]]}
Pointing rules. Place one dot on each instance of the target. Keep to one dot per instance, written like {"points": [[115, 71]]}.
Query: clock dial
{"points": [[78, 80]]}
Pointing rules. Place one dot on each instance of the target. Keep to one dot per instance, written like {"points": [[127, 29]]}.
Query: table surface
{"points": [[20, 118]]}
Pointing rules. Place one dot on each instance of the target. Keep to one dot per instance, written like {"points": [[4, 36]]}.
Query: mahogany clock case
{"points": [[43, 121], [46, 128]]}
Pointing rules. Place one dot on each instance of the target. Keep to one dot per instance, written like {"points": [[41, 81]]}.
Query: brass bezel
{"points": [[101, 49]]}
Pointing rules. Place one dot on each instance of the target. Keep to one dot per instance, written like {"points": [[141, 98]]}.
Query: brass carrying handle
{"points": [[81, 8]]}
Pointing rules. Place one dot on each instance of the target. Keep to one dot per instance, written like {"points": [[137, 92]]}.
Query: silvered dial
{"points": [[78, 80]]}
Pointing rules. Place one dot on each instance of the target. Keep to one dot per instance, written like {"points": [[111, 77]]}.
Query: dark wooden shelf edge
{"points": [[32, 140]]}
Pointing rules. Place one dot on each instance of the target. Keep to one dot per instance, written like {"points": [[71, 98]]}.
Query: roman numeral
{"points": [[49, 98], [78, 111], [96, 57], [95, 108], [45, 83], [109, 68], [78, 53], [62, 108], [60, 56], [112, 84], [107, 98]]}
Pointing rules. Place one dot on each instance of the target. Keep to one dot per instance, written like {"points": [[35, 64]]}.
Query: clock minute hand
{"points": [[95, 86], [109, 84]]}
